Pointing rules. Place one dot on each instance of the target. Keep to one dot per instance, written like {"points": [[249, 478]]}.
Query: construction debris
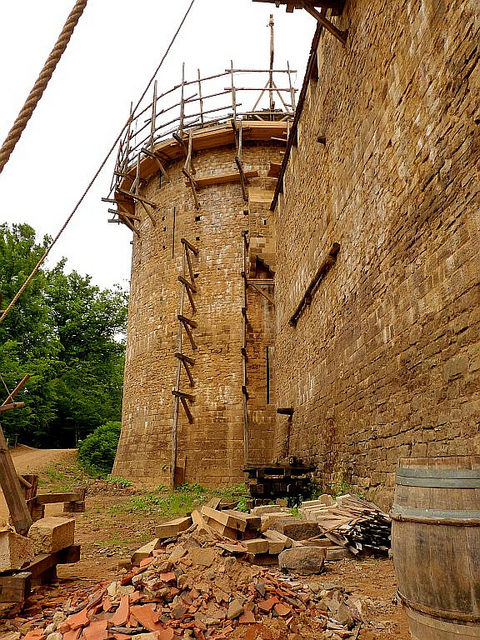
{"points": [[352, 523], [193, 588]]}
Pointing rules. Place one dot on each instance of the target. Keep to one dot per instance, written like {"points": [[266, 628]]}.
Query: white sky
{"points": [[114, 50]]}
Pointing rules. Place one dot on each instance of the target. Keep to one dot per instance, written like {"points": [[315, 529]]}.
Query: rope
{"points": [[97, 173], [41, 84]]}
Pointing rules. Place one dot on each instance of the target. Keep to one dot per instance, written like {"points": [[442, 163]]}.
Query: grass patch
{"points": [[61, 478], [169, 504]]}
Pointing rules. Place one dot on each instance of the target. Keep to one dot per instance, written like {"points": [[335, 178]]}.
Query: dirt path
{"points": [[29, 460]]}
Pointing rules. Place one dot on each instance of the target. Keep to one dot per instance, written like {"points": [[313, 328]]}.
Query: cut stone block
{"points": [[297, 529], [52, 534], [15, 550]]}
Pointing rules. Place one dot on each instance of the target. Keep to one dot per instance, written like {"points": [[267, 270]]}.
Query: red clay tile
{"points": [[267, 605], [168, 577], [166, 634], [247, 618], [96, 631], [72, 635], [282, 609], [147, 617], [78, 620], [122, 614]]}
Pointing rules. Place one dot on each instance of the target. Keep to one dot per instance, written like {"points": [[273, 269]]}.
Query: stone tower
{"points": [[198, 395]]}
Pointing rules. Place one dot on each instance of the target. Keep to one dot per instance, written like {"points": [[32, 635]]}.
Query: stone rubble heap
{"points": [[192, 588]]}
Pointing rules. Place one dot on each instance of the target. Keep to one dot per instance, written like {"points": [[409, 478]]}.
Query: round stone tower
{"points": [[198, 400]]}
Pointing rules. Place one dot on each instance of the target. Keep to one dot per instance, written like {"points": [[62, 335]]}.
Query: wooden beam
{"points": [[181, 394], [188, 321], [17, 390], [11, 405], [322, 271], [135, 196], [158, 162], [326, 24], [186, 408], [15, 588], [285, 411], [189, 245], [188, 284], [193, 185], [187, 369], [182, 356], [12, 490], [223, 178]]}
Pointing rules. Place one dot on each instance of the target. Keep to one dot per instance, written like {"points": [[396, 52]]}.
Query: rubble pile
{"points": [[192, 588]]}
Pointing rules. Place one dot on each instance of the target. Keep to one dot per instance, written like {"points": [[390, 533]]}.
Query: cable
{"points": [[41, 84], [97, 173]]}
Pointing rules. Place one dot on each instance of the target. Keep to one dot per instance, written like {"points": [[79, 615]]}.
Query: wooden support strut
{"points": [[159, 163], [17, 390], [326, 24], [188, 325], [186, 363], [322, 271], [12, 490]]}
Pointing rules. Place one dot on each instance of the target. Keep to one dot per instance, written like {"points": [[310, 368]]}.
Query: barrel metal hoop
{"points": [[462, 517], [438, 473], [456, 616], [439, 483]]}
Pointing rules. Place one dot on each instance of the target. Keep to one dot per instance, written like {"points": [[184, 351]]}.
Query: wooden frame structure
{"points": [[183, 110]]}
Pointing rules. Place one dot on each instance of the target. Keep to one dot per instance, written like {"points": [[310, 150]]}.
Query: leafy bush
{"points": [[96, 453]]}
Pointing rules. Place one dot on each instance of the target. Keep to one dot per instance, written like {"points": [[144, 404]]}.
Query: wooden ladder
{"points": [[187, 325]]}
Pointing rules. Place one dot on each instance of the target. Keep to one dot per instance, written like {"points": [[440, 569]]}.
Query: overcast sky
{"points": [[113, 52]]}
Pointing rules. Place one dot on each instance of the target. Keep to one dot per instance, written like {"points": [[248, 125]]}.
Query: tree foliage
{"points": [[96, 453], [68, 334]]}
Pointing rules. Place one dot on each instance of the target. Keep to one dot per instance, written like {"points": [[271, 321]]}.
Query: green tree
{"points": [[68, 334]]}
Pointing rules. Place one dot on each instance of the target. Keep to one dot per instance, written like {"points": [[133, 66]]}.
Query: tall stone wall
{"points": [[385, 360], [211, 449]]}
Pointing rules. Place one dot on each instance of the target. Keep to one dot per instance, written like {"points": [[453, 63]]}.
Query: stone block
{"points": [[52, 534], [303, 560], [15, 550], [296, 529]]}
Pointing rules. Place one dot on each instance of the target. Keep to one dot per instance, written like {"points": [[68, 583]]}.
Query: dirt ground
{"points": [[109, 534]]}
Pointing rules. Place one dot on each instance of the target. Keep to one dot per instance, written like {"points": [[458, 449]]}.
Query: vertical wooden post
{"points": [[182, 102], [12, 490], [200, 97], [271, 24], [154, 116], [292, 90], [234, 93]]}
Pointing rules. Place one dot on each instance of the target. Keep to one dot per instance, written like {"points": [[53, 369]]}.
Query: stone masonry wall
{"points": [[385, 361], [211, 450]]}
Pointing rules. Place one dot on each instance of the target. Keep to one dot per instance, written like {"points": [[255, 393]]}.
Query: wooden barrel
{"points": [[436, 546]]}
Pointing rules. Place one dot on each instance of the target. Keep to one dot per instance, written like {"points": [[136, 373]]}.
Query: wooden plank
{"points": [[226, 519], [54, 498], [223, 178], [46, 561], [10, 485], [173, 527], [15, 588]]}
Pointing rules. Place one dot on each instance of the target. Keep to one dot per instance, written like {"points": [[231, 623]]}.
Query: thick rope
{"points": [[41, 84], [97, 173]]}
